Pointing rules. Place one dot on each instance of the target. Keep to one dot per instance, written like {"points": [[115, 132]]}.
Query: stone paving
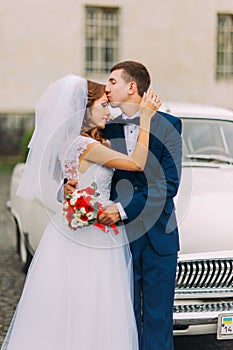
{"points": [[11, 270]]}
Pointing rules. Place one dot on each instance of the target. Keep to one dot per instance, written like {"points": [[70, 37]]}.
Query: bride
{"points": [[78, 290]]}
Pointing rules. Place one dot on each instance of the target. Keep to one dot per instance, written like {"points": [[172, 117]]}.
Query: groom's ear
{"points": [[132, 88]]}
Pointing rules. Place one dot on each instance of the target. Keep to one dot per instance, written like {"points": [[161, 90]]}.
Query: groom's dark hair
{"points": [[134, 71]]}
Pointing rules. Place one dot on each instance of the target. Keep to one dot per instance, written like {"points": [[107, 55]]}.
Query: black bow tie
{"points": [[122, 121]]}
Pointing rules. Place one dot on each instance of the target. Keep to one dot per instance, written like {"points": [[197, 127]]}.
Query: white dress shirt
{"points": [[131, 135]]}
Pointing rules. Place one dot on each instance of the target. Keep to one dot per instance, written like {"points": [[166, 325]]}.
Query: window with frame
{"points": [[102, 36], [224, 69]]}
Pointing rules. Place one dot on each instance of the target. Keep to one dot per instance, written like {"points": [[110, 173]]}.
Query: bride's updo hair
{"points": [[95, 91]]}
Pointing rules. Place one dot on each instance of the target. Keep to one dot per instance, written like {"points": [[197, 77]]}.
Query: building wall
{"points": [[40, 41], [178, 45], [176, 39]]}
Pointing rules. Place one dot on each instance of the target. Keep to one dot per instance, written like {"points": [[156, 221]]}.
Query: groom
{"points": [[144, 200]]}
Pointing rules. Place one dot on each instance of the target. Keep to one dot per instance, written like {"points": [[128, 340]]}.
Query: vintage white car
{"points": [[204, 284]]}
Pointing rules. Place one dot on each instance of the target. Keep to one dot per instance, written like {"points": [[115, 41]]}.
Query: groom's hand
{"points": [[110, 215]]}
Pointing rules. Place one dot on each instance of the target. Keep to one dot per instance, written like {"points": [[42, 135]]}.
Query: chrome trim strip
{"points": [[205, 276]]}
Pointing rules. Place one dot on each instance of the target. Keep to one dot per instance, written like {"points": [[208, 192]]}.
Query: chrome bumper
{"points": [[198, 316]]}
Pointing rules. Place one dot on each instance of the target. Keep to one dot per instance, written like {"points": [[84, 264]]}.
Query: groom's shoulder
{"points": [[165, 120], [167, 116]]}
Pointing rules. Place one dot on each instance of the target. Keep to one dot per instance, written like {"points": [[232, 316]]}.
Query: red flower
{"points": [[90, 190], [89, 204], [84, 217], [81, 202], [69, 216]]}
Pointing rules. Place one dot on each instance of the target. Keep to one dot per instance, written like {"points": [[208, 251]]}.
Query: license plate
{"points": [[225, 326]]}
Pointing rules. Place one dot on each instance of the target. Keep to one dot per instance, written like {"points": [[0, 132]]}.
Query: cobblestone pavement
{"points": [[11, 274], [202, 342], [12, 280]]}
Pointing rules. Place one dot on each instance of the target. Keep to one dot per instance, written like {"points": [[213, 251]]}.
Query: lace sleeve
{"points": [[71, 160]]}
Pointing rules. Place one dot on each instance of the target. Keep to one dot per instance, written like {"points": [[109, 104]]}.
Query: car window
{"points": [[228, 132], [208, 137]]}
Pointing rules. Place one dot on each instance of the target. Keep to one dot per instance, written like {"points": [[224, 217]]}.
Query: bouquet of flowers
{"points": [[82, 209]]}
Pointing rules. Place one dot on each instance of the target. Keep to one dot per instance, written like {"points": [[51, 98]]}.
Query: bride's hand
{"points": [[69, 188], [150, 104]]}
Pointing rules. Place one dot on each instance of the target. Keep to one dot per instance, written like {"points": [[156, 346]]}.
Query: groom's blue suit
{"points": [[147, 198]]}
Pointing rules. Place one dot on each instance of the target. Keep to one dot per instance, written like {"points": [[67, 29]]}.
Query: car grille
{"points": [[209, 307], [212, 276]]}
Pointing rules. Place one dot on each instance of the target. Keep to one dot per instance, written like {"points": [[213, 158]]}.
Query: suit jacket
{"points": [[147, 197]]}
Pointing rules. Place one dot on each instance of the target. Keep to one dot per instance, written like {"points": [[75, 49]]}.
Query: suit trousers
{"points": [[154, 284]]}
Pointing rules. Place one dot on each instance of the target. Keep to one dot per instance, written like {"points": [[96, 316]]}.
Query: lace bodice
{"points": [[97, 173]]}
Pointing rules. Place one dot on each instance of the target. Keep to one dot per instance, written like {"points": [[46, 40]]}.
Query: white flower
{"points": [[66, 205], [74, 224], [90, 215], [76, 216], [72, 201]]}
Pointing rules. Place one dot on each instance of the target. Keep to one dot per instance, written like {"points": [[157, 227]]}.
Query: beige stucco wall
{"points": [[178, 45], [41, 40]]}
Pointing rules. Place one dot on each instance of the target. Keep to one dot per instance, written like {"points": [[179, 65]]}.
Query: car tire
{"points": [[29, 256], [22, 250], [17, 237]]}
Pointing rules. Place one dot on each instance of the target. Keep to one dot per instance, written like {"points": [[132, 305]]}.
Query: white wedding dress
{"points": [[78, 291]]}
